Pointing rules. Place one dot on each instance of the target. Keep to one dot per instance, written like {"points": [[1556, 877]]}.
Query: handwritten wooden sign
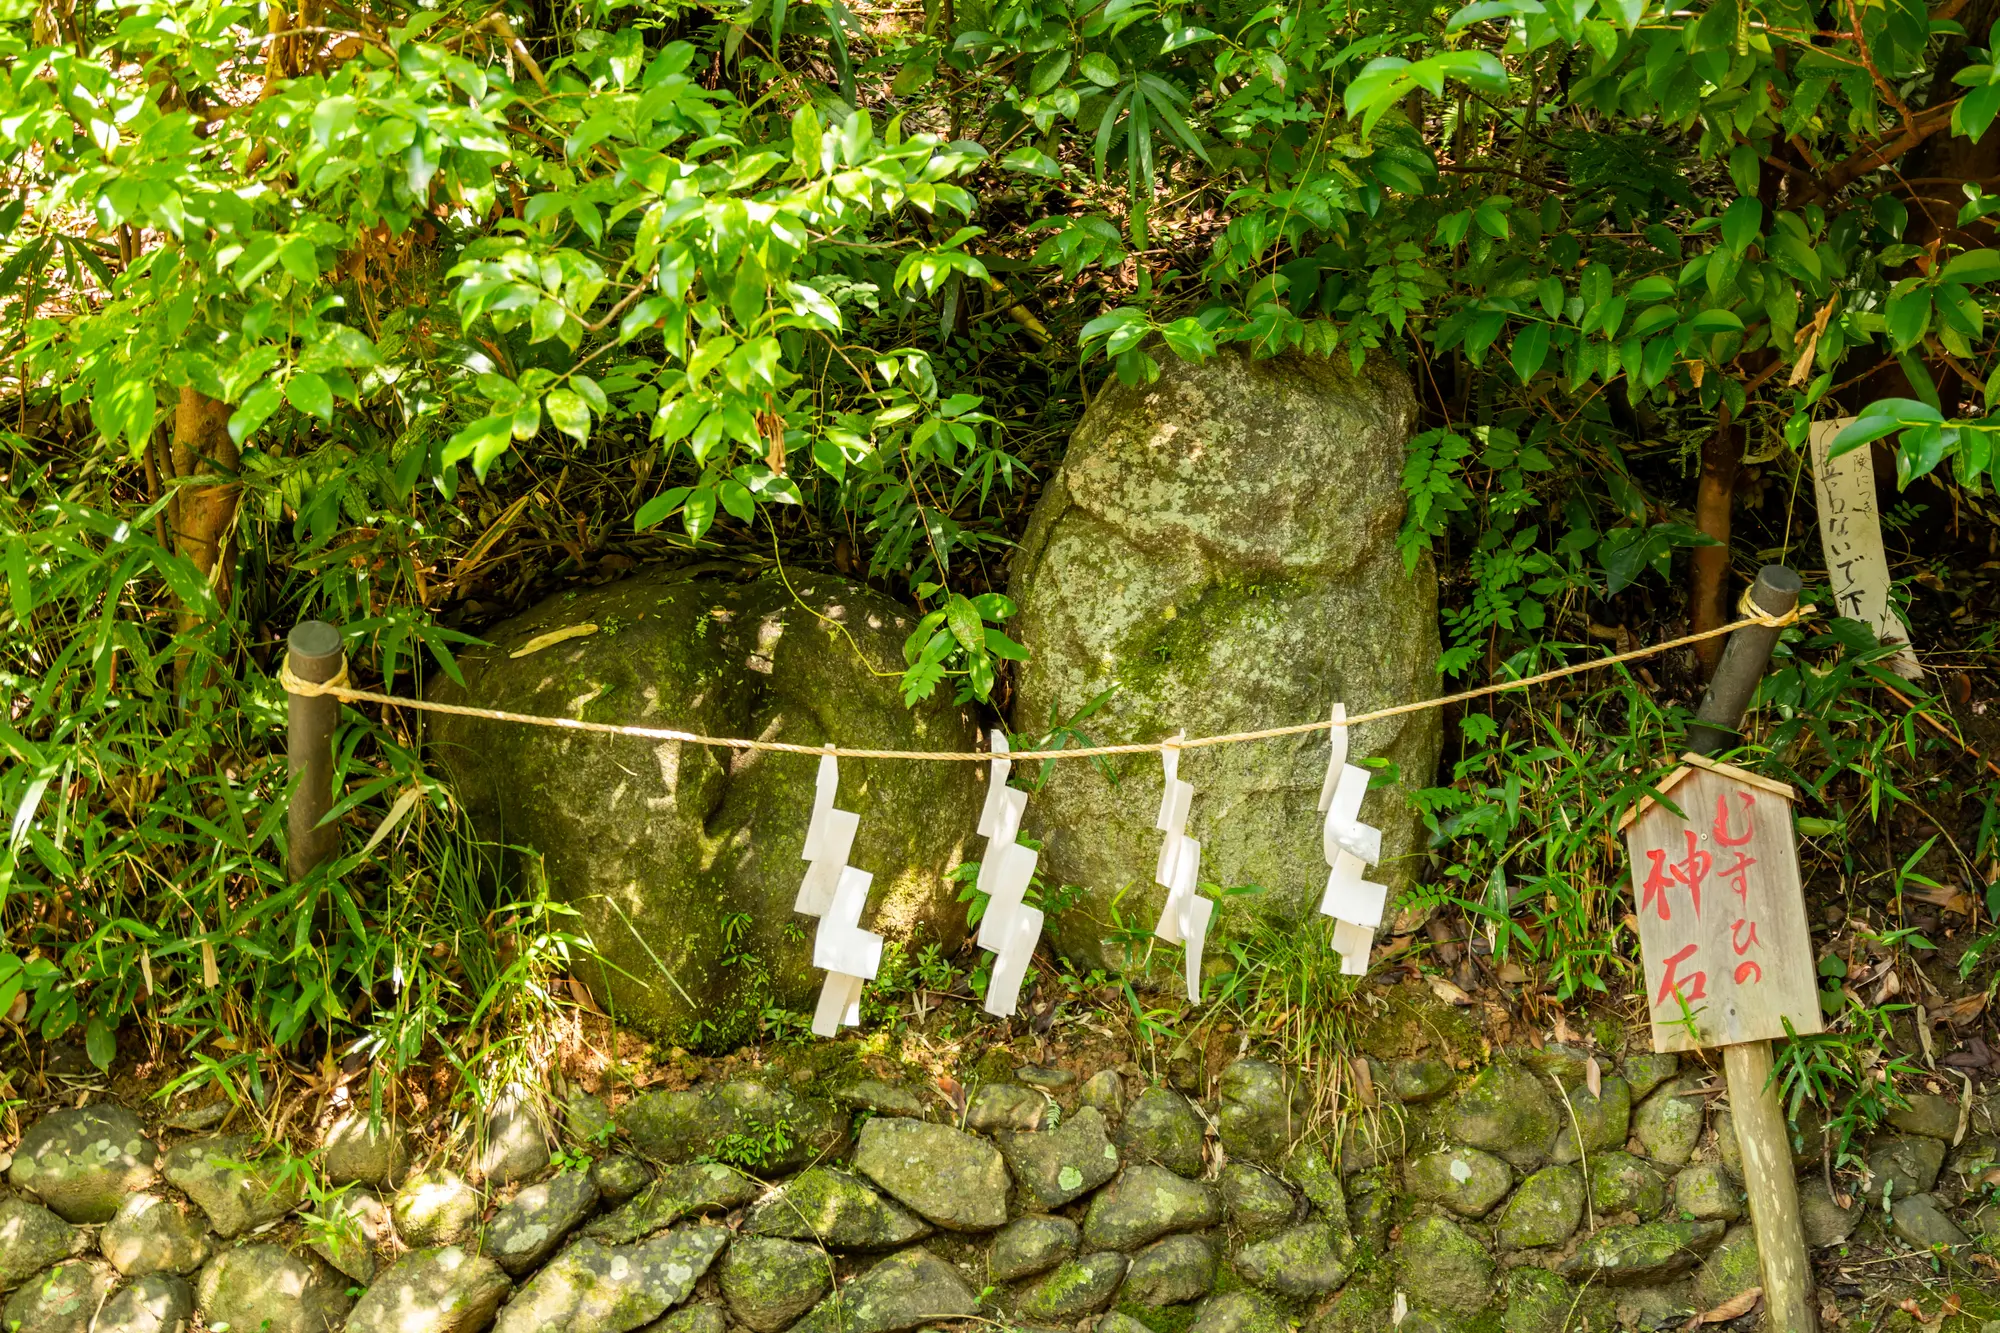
{"points": [[1850, 534], [1722, 917]]}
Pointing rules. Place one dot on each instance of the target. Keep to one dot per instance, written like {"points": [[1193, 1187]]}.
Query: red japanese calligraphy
{"points": [[1693, 987], [1654, 892], [1747, 972], [1737, 940], [1661, 876], [1721, 825], [1738, 875]]}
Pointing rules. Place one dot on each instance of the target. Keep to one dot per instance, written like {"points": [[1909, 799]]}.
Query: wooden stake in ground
{"points": [[1728, 954], [313, 653]]}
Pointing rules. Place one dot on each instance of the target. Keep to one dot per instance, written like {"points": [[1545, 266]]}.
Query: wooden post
{"points": [[313, 653], [1761, 1132]]}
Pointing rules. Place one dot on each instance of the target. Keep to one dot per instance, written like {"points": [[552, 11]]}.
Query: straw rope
{"points": [[336, 688]]}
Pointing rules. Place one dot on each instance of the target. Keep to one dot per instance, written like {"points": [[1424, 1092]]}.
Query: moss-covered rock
{"points": [[531, 1224], [1605, 1120], [998, 1106], [951, 1178], [1361, 1307], [1061, 1164], [1646, 1071], [1440, 1267], [834, 1208], [1310, 1259], [82, 1161], [1258, 1202], [32, 1238], [1206, 534], [1826, 1220], [1668, 1123], [1646, 1253], [1171, 1271], [62, 1300], [620, 1177], [1370, 1212], [1319, 1180], [1162, 1127], [1930, 1114], [1901, 1165], [237, 1186], [1262, 1110], [1468, 1181], [1421, 1080], [272, 1290], [702, 1318], [903, 1291], [1508, 1112], [1544, 1211], [681, 1191], [593, 1288], [668, 850], [365, 1149], [769, 1282], [1030, 1245], [155, 1303], [751, 1122], [1104, 1091], [1076, 1288], [1730, 1268], [1146, 1202], [435, 1209], [152, 1233], [1620, 1182], [1705, 1193], [1539, 1301], [1241, 1311], [446, 1291]]}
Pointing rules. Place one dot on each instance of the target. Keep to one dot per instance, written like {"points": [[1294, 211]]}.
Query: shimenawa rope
{"points": [[339, 689]]}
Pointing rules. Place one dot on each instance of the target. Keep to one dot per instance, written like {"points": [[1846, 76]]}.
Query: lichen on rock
{"points": [[1219, 547], [677, 857]]}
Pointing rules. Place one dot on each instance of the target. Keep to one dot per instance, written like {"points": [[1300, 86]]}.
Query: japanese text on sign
{"points": [[1720, 915], [1850, 534]]}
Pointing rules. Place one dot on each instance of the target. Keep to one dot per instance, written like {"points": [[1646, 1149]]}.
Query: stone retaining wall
{"points": [[1507, 1197]]}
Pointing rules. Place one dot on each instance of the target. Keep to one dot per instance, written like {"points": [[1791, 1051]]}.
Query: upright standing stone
{"points": [[1219, 547], [662, 846]]}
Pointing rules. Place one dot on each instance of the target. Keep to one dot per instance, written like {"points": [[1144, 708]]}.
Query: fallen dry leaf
{"points": [[553, 637], [1445, 990], [581, 994], [1364, 1082], [1740, 1304], [1564, 1032], [1950, 899], [1891, 985], [1593, 1077], [1964, 1009], [1511, 973]]}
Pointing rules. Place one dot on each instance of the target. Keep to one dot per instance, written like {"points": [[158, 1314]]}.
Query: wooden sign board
{"points": [[1850, 535], [1722, 917]]}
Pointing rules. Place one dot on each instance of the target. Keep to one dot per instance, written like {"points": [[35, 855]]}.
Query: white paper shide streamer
{"points": [[1184, 920], [1010, 928], [1350, 846], [836, 893]]}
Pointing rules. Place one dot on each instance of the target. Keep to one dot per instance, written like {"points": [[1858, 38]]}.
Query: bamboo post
{"points": [[1761, 1132], [313, 653]]}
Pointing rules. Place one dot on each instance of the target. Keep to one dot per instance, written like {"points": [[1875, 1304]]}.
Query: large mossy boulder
{"points": [[1219, 549], [660, 844]]}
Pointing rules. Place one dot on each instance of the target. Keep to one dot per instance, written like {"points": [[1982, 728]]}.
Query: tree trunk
{"points": [[1721, 459], [203, 514]]}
